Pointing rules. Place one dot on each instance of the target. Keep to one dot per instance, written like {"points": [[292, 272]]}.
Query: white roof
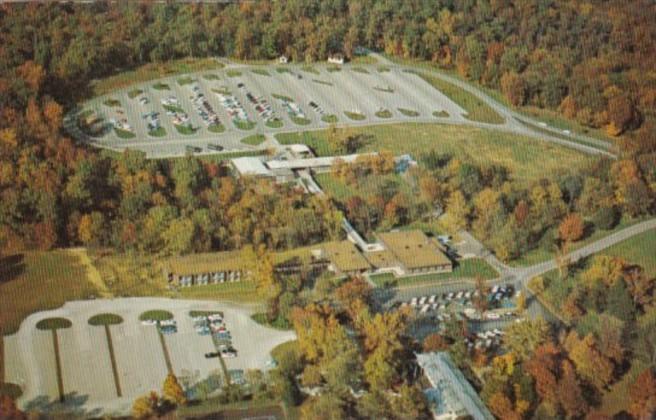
{"points": [[326, 161], [299, 148], [250, 166]]}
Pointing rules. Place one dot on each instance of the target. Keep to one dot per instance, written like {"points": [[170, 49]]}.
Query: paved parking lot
{"points": [[332, 92], [87, 375]]}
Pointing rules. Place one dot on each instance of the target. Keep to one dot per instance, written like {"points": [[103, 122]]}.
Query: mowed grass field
{"points": [[36, 281], [640, 250], [525, 157], [154, 71], [364, 187]]}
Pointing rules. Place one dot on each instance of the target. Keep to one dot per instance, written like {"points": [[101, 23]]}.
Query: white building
{"points": [[283, 59], [451, 396], [336, 59]]}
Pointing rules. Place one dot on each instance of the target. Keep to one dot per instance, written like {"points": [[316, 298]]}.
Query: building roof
{"points": [[210, 262], [381, 259], [344, 256], [250, 165], [450, 392], [316, 162], [413, 249]]}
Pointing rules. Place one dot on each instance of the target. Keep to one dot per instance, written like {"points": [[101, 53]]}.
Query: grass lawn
{"points": [[274, 123], [37, 281], [408, 112], [233, 73], [364, 59], [278, 324], [526, 158], [300, 121], [195, 314], [134, 93], [556, 134], [333, 68], [310, 69], [222, 157], [173, 108], [111, 102], [153, 71], [124, 134], [241, 291], [322, 82], [244, 125], [216, 128], [187, 80], [476, 109], [282, 97], [466, 269], [639, 249], [158, 132], [383, 69], [54, 324], [222, 90], [331, 119], [129, 274], [356, 116], [360, 70], [261, 72], [283, 70], [254, 140], [156, 315], [441, 114], [365, 186], [185, 129], [105, 319], [161, 86], [539, 255], [384, 113], [211, 76]]}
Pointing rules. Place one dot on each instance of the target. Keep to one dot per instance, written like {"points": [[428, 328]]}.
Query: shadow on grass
{"points": [[11, 267]]}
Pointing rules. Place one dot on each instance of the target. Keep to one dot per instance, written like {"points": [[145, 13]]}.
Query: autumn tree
{"points": [[145, 406], [571, 228], [172, 391], [642, 395]]}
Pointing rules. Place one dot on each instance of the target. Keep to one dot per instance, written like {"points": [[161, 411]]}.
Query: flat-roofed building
{"points": [[251, 166], [208, 268], [415, 252], [451, 396], [344, 257]]}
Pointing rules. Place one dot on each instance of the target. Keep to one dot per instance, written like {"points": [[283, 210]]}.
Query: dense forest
{"points": [[593, 62]]}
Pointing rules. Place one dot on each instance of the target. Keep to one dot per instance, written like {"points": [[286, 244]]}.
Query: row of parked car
{"points": [[203, 107], [261, 105], [214, 325], [168, 326], [233, 107]]}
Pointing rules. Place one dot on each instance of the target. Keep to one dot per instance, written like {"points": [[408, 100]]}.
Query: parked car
{"points": [[212, 354]]}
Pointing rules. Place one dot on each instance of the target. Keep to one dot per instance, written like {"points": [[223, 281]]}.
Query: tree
{"points": [[642, 395], [570, 393], [480, 300], [457, 211], [571, 228], [324, 407], [172, 391], [589, 362], [145, 406], [8, 409], [514, 88], [619, 301], [434, 342], [523, 338], [410, 404]]}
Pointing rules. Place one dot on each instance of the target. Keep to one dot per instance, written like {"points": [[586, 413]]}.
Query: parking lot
{"points": [[197, 112], [142, 356]]}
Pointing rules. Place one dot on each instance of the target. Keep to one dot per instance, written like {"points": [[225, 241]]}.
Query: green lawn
{"points": [[54, 324], [408, 112], [195, 314], [187, 80], [124, 134], [330, 119], [242, 291], [173, 108], [384, 113], [244, 125], [356, 116], [333, 68], [37, 281], [640, 249], [185, 129], [156, 315], [283, 70], [282, 97], [360, 70], [153, 71], [222, 90], [477, 110], [300, 121], [158, 132], [274, 123], [261, 72], [211, 76], [111, 102], [559, 135], [279, 323], [539, 255], [254, 140], [310, 69], [526, 158], [161, 86], [134, 93], [466, 269], [441, 114], [233, 73], [364, 187], [216, 128], [322, 82], [383, 69], [105, 319]]}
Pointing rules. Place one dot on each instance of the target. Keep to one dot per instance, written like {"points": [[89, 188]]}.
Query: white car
{"points": [[422, 300], [431, 299], [148, 322], [492, 315]]}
